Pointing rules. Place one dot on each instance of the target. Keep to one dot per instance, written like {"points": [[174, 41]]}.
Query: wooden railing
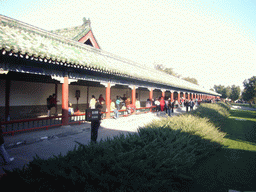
{"points": [[15, 126]]}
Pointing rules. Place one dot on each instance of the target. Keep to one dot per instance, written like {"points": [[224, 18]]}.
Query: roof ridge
{"points": [[68, 28]]}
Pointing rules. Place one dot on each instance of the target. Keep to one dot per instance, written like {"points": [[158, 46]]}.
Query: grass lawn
{"points": [[234, 166]]}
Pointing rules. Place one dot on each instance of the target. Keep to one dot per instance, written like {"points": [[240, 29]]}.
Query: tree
{"points": [[191, 80], [235, 92], [219, 89], [224, 91], [249, 93]]}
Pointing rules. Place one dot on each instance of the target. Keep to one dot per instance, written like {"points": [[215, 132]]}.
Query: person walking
{"points": [[95, 124], [162, 103], [169, 106], [191, 104], [166, 104], [186, 104], [49, 106], [157, 103], [172, 106], [182, 101], [7, 159]]}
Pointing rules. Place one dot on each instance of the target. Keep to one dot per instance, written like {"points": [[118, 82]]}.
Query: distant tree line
{"points": [[234, 92]]}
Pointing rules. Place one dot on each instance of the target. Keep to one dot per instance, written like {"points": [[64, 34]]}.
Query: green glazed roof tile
{"points": [[21, 37]]}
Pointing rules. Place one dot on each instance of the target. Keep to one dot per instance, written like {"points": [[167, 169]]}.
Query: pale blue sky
{"points": [[212, 41]]}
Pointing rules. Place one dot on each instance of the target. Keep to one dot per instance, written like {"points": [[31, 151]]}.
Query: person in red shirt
{"points": [[162, 103], [101, 99]]}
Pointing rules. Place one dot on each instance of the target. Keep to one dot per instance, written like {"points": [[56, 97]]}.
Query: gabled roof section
{"points": [[81, 33], [28, 41]]}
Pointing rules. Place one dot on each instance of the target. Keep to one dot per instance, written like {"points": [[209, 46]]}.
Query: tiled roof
{"points": [[26, 39], [74, 33]]}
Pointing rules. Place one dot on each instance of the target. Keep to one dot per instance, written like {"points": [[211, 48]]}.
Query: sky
{"points": [[213, 41]]}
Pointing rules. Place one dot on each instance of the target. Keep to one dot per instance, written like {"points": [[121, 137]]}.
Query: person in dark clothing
{"points": [[3, 153], [95, 124], [49, 105], [172, 105], [186, 104], [191, 104], [169, 106]]}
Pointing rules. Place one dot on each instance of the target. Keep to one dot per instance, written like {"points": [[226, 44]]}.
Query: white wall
{"points": [[156, 94], [143, 95], [27, 93], [120, 92], [72, 93], [33, 93]]}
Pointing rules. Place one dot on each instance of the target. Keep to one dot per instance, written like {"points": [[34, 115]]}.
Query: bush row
{"points": [[147, 161], [216, 113]]}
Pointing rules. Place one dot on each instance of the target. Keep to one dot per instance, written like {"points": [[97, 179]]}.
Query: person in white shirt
{"points": [[92, 102]]}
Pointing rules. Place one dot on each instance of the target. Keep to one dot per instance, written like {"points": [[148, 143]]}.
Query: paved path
{"points": [[242, 108], [46, 143]]}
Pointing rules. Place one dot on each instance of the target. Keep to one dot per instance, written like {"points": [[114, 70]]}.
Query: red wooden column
{"points": [[171, 96], [178, 96], [134, 96], [108, 100], [65, 101], [188, 96], [150, 96], [163, 92], [192, 96]]}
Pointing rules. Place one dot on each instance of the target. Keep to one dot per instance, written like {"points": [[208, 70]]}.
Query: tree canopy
{"points": [[249, 93], [224, 91], [235, 92]]}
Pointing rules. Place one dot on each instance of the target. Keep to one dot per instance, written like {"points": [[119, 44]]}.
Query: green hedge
{"points": [[225, 105], [147, 161], [216, 113]]}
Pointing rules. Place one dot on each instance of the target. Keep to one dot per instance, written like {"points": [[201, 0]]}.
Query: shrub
{"points": [[147, 161], [214, 112], [225, 105]]}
